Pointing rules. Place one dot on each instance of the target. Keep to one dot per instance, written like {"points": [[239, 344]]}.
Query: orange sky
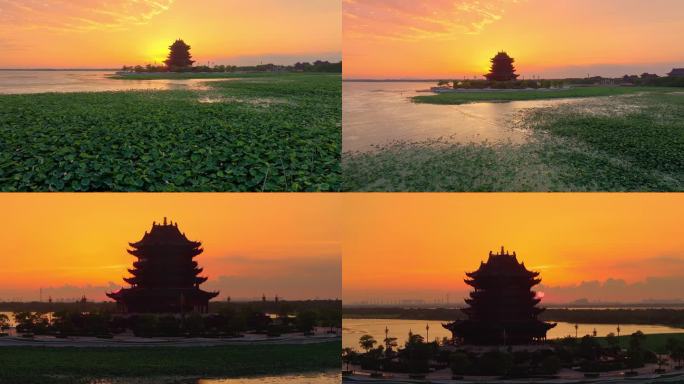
{"points": [[69, 244], [418, 246], [560, 38], [86, 33]]}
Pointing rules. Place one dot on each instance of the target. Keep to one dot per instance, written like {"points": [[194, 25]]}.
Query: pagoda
{"points": [[502, 68], [502, 307], [165, 276]]}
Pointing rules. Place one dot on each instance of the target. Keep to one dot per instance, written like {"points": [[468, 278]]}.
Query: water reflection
{"points": [[22, 82], [312, 378], [378, 113], [331, 377], [352, 329]]}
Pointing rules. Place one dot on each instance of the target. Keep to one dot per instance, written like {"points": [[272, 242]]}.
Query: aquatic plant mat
{"points": [[267, 132], [82, 365], [630, 142], [494, 95]]}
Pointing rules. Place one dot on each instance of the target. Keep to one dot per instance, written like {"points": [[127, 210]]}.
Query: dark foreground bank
{"points": [[83, 365]]}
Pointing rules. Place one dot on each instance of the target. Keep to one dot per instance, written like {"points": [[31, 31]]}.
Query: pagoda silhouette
{"points": [[502, 307], [165, 276]]}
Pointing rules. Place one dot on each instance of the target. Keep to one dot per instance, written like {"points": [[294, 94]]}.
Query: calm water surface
{"points": [[331, 377], [312, 378], [14, 82], [352, 329], [378, 113]]}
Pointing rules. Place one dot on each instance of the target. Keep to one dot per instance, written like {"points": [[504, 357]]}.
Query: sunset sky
{"points": [[109, 34], [560, 38], [74, 244], [603, 247]]}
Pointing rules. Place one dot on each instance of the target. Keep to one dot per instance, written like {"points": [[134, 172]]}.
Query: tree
{"points": [[502, 68], [367, 342], [179, 58], [348, 355], [389, 342], [550, 365], [459, 363], [675, 348], [4, 321], [306, 320], [635, 354], [612, 340]]}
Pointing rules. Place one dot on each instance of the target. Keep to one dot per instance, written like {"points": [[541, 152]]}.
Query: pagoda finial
{"points": [[164, 220], [502, 249]]}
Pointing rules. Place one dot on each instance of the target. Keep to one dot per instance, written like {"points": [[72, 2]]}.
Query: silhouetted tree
{"points": [[502, 68], [179, 58], [348, 355], [367, 342]]}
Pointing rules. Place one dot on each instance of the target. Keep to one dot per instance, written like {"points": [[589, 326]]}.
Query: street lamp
{"points": [[386, 338], [427, 333], [576, 327]]}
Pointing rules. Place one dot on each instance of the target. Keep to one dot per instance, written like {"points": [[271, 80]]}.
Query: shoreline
{"points": [[133, 342]]}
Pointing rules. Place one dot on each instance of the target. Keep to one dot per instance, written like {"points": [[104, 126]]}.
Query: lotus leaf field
{"points": [[273, 132], [630, 142]]}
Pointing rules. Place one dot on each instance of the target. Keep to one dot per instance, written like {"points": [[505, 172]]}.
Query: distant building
{"points": [[676, 72], [649, 76]]}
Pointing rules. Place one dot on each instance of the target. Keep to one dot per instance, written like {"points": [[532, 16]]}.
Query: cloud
{"points": [[409, 20], [618, 290], [292, 277], [78, 15]]}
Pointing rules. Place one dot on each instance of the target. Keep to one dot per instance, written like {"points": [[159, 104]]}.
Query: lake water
{"points": [[379, 113], [330, 377], [311, 378], [353, 329], [16, 82]]}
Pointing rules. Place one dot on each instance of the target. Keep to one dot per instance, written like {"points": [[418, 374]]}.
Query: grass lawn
{"points": [[653, 342], [67, 365], [470, 96], [263, 133], [627, 143]]}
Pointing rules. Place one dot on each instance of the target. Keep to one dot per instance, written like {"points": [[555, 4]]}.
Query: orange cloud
{"points": [[419, 20], [421, 245], [78, 15]]}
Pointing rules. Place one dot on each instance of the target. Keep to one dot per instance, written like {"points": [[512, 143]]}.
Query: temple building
{"points": [[502, 307], [676, 72], [165, 276], [502, 68]]}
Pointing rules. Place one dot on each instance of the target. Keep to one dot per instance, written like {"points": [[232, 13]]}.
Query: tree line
{"points": [[316, 66], [230, 321], [588, 354]]}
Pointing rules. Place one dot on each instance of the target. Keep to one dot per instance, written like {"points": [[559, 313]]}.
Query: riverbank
{"points": [[283, 134], [82, 365], [124, 341], [672, 317], [204, 75], [566, 376], [464, 96], [623, 143]]}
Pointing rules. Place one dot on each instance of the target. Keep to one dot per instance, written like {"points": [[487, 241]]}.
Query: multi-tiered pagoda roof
{"points": [[165, 277], [502, 308]]}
